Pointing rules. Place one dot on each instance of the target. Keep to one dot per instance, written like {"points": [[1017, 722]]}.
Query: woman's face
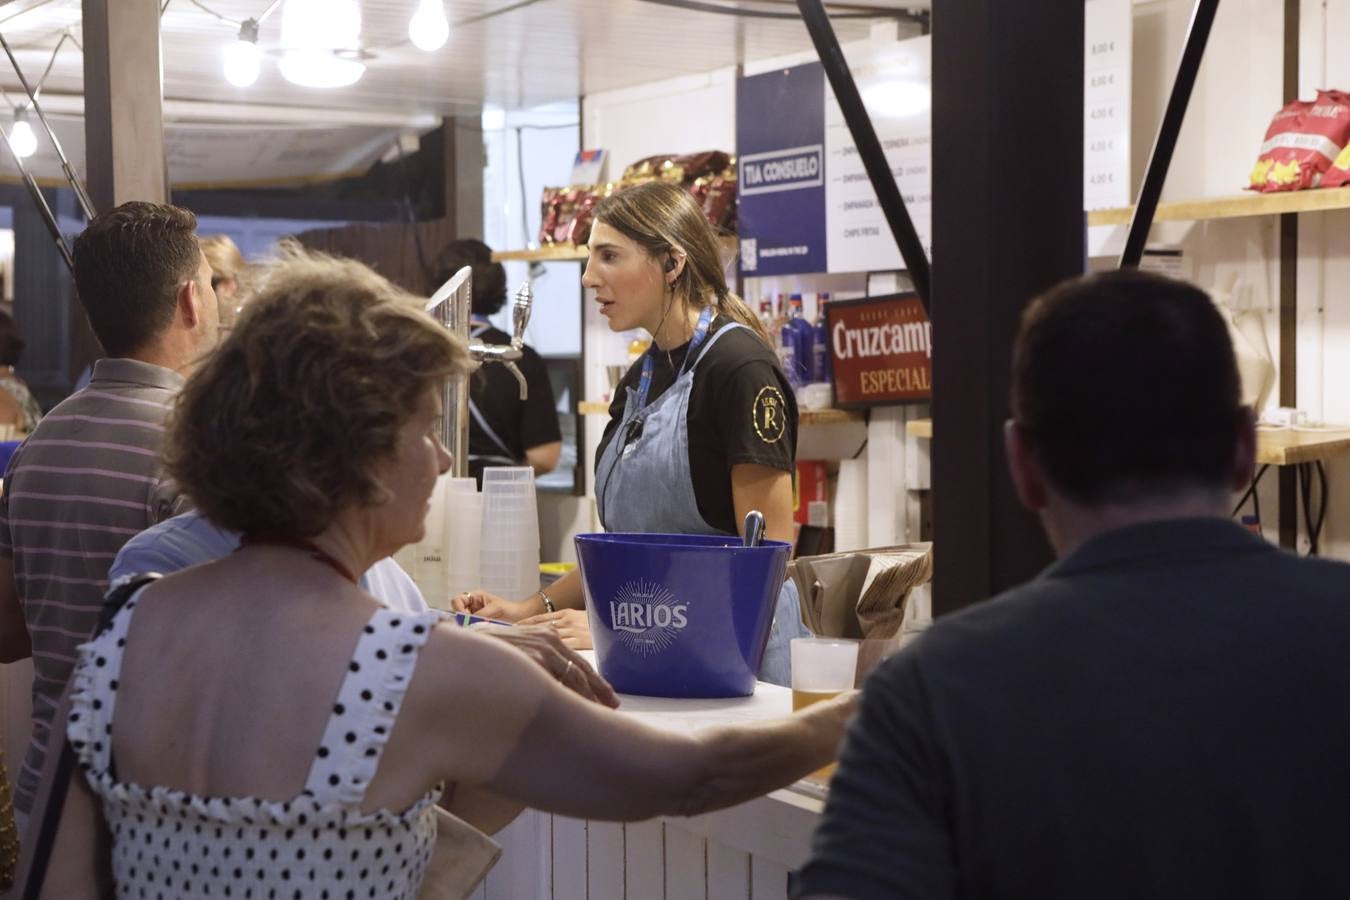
{"points": [[409, 475], [628, 284]]}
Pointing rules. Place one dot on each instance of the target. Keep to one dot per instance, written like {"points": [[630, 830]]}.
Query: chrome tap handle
{"points": [[520, 377], [520, 317]]}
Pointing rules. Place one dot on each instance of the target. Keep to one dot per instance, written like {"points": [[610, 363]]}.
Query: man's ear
{"points": [[1244, 450], [189, 300], [1027, 478]]}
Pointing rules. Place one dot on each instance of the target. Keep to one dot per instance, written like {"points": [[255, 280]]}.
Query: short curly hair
{"points": [[281, 428]]}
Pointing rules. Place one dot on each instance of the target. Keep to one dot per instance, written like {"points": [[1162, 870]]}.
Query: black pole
{"points": [[869, 148], [48, 217], [1191, 56], [76, 184]]}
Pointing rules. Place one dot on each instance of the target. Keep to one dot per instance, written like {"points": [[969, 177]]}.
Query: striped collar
{"points": [[132, 371]]}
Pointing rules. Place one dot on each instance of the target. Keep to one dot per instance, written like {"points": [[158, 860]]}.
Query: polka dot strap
{"points": [[367, 705], [94, 696]]}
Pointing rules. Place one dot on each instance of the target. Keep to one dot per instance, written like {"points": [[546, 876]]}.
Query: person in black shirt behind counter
{"points": [[704, 428], [503, 429]]}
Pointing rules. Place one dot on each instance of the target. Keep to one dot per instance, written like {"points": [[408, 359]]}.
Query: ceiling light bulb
{"points": [[243, 59], [22, 140], [311, 32], [428, 28], [319, 69]]}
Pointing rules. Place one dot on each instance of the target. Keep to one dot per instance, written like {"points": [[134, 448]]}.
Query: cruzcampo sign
{"points": [[881, 351]]}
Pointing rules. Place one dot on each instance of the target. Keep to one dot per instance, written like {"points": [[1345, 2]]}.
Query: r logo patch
{"points": [[770, 415]]}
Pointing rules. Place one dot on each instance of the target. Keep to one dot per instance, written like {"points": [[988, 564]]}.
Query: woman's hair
{"points": [[224, 258], [659, 217], [11, 345], [489, 278], [281, 428]]}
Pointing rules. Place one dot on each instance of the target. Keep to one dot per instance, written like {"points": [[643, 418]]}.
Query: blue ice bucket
{"points": [[676, 615]]}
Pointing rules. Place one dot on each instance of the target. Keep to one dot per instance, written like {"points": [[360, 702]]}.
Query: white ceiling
{"points": [[542, 52]]}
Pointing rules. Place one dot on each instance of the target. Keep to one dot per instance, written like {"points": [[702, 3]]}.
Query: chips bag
{"points": [[1339, 173], [1303, 140]]}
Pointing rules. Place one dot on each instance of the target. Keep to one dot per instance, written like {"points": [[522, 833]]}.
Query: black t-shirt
{"points": [[1161, 714], [521, 424], [741, 410]]}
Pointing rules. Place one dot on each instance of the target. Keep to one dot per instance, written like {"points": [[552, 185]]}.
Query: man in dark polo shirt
{"points": [[88, 478], [1159, 714]]}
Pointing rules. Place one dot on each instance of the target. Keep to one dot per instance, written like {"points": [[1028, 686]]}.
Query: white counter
{"points": [[741, 852]]}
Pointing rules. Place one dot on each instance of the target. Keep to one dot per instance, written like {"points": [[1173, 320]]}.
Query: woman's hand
{"points": [[572, 625], [490, 606], [550, 650]]}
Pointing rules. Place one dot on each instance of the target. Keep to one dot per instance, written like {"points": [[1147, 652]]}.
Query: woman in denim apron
{"points": [[655, 264]]}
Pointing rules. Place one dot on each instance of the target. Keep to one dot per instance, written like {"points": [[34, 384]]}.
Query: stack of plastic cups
{"points": [[429, 566], [509, 548], [463, 526]]}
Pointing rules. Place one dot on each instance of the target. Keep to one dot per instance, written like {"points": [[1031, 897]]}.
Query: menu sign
{"points": [[881, 350]]}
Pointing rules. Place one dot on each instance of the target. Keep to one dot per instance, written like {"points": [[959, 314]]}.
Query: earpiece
{"points": [[670, 264]]}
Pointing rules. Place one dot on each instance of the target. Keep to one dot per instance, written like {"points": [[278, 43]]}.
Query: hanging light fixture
{"points": [[243, 59], [429, 29], [315, 33], [22, 140]]}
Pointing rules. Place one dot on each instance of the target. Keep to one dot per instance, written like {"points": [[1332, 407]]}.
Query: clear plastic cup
{"points": [[822, 668]]}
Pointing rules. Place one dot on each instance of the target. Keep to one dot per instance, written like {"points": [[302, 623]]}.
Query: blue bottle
{"points": [[787, 356], [820, 344], [802, 337]]}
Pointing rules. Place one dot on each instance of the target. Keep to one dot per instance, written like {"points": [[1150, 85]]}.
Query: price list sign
{"points": [[896, 87], [1106, 99]]}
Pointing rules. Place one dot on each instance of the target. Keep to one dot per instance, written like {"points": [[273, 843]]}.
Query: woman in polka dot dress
{"points": [[260, 727]]}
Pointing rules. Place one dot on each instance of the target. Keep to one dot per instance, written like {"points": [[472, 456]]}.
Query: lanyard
{"points": [[700, 332]]}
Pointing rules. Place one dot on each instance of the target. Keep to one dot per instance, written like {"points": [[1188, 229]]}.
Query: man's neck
{"points": [[1069, 525], [178, 354]]}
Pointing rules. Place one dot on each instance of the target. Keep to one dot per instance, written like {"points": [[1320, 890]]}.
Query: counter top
{"points": [[768, 701]]}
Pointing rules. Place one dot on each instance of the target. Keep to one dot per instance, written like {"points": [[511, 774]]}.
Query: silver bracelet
{"points": [[548, 604]]}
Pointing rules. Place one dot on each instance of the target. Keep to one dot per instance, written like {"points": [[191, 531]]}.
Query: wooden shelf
{"points": [[1276, 447], [829, 416], [1253, 204], [571, 253], [550, 253], [808, 416]]}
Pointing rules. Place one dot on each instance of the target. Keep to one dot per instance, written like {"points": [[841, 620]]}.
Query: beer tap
{"points": [[451, 305]]}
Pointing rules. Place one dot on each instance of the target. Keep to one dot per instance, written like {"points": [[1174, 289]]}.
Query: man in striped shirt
{"points": [[89, 478]]}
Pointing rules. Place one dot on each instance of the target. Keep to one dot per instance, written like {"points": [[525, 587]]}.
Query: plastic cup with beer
{"points": [[822, 668]]}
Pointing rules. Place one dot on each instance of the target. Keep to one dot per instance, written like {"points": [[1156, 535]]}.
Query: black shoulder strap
{"points": [[65, 764]]}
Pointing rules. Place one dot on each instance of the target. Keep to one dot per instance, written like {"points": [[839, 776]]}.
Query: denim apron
{"points": [[643, 482]]}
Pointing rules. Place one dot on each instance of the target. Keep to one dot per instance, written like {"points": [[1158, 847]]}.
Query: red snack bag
{"points": [[580, 231], [548, 219], [569, 200], [1339, 173], [1301, 143]]}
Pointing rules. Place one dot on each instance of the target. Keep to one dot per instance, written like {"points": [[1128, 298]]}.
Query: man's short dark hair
{"points": [[1127, 387], [129, 263], [489, 278]]}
